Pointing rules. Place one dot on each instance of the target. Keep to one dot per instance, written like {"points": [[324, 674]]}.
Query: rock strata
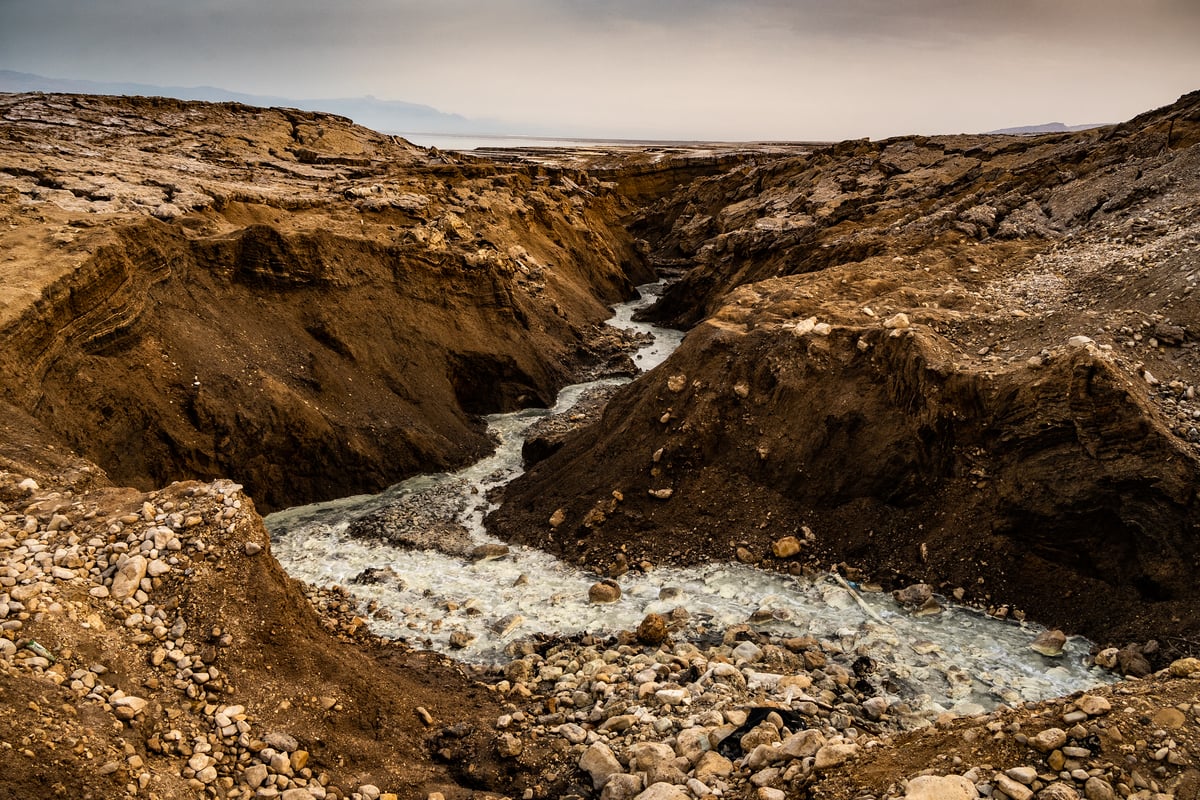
{"points": [[308, 293]]}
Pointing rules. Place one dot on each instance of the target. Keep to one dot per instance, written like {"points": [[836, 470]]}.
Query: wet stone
{"points": [[606, 591]]}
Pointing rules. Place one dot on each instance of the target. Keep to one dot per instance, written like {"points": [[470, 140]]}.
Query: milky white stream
{"points": [[957, 660]]}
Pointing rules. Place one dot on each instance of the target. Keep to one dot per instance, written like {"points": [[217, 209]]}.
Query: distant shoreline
{"points": [[475, 141]]}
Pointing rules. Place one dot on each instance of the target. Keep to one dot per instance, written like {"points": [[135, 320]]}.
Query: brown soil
{"points": [[309, 307], [932, 449]]}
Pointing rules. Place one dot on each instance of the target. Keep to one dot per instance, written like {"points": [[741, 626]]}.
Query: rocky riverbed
{"points": [[920, 371]]}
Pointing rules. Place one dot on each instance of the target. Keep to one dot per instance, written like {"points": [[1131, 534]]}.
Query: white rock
{"points": [[691, 743], [834, 755], [1015, 790], [1080, 341], [649, 756], [936, 787], [572, 733], [622, 787], [600, 763], [1094, 706], [1025, 775], [747, 651], [805, 326], [1049, 739], [803, 744], [897, 322], [255, 775], [663, 791], [298, 793], [129, 577]]}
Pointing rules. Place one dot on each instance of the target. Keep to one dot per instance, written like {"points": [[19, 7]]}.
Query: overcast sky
{"points": [[783, 69]]}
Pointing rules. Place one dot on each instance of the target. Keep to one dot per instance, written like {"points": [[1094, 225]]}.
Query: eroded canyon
{"points": [[963, 362]]}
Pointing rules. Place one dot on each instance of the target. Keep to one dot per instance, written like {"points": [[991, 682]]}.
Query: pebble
{"points": [[663, 791], [786, 547], [1093, 706], [1015, 790], [652, 630], [834, 755], [129, 577], [1025, 775], [1185, 667]]}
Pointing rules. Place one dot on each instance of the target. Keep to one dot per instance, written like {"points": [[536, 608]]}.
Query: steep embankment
{"points": [[156, 646], [895, 375], [314, 309]]}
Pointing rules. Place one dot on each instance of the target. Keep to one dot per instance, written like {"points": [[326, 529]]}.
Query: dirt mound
{"points": [[212, 655], [1006, 412]]}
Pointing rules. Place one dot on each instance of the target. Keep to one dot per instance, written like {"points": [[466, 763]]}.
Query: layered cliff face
{"points": [[315, 309], [968, 361]]}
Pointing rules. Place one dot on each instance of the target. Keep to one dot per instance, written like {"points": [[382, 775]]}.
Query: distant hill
{"points": [[381, 115], [1049, 127]]}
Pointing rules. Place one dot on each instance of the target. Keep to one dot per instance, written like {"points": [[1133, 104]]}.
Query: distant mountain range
{"points": [[1049, 127], [381, 115], [389, 116]]}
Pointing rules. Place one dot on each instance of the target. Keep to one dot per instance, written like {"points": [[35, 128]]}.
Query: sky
{"points": [[693, 69]]}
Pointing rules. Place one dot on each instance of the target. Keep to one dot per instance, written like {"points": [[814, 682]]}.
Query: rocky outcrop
{"points": [[1007, 412], [850, 201]]}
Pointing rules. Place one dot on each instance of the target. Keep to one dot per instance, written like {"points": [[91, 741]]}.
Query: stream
{"points": [[959, 660]]}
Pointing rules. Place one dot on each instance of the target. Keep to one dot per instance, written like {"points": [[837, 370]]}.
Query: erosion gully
{"points": [[958, 660]]}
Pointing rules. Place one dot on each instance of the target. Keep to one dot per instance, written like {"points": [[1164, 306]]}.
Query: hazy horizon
{"points": [[648, 69]]}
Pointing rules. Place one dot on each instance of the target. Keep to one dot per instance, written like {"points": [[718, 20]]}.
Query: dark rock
{"points": [[652, 630]]}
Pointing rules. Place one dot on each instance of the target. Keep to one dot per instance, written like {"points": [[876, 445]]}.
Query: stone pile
{"points": [[1076, 749], [763, 720], [62, 560], [747, 713]]}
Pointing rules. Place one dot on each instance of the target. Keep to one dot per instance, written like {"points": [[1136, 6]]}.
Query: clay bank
{"points": [[917, 373]]}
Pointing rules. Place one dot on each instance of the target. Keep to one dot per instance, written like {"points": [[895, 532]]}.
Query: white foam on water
{"points": [[957, 660]]}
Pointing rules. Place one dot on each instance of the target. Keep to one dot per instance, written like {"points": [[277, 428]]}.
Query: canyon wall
{"points": [[312, 308], [968, 361]]}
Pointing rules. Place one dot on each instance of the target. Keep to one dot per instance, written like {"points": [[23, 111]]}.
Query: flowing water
{"points": [[959, 659]]}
